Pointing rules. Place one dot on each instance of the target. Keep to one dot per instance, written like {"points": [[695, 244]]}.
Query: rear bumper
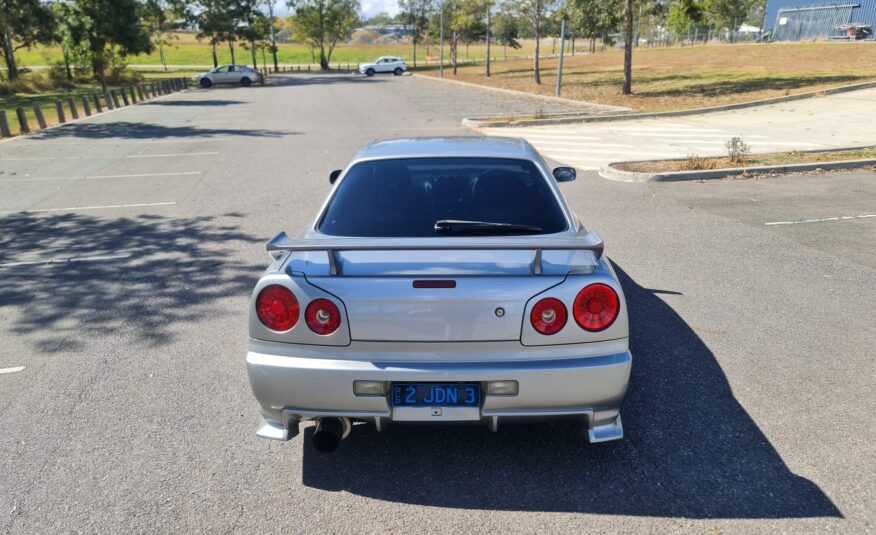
{"points": [[292, 389]]}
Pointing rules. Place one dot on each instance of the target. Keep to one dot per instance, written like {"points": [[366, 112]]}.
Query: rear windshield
{"points": [[405, 197]]}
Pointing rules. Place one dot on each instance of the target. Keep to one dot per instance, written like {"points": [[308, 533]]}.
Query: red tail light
{"points": [[596, 307], [548, 316], [322, 316], [277, 308]]}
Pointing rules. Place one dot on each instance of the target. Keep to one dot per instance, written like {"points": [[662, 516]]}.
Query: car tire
{"points": [[369, 72], [245, 82], [398, 71], [206, 82]]}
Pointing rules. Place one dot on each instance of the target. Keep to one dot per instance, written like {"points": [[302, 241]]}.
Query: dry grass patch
{"points": [[696, 163], [692, 77]]}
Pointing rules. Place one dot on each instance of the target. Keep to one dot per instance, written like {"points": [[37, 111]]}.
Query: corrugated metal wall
{"points": [[814, 19]]}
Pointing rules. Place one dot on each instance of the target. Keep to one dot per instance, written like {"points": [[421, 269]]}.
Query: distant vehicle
{"points": [[229, 74], [392, 64], [445, 281]]}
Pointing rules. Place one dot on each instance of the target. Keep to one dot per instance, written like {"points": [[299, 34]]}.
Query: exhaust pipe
{"points": [[329, 433]]}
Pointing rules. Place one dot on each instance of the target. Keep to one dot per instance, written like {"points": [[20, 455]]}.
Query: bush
{"points": [[737, 150], [695, 162]]}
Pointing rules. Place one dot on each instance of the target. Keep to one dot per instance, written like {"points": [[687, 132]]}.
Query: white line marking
{"points": [[841, 218], [15, 369], [67, 260], [684, 134], [101, 176], [74, 208], [581, 144], [172, 155]]}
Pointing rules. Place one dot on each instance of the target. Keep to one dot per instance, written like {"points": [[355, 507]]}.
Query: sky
{"points": [[369, 8]]}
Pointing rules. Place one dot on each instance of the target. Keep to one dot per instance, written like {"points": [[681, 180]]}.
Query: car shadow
{"points": [[690, 449], [188, 103], [66, 277]]}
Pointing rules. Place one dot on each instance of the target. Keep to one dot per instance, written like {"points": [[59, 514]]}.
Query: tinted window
{"points": [[405, 197]]}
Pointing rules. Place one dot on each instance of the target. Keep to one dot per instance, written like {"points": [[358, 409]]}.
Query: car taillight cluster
{"points": [[278, 310], [595, 308]]}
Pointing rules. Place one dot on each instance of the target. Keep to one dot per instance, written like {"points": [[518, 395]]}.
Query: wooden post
{"points": [[133, 95], [39, 115], [4, 125], [73, 112], [59, 107], [140, 93], [22, 120], [86, 106], [115, 98], [97, 107], [125, 96]]}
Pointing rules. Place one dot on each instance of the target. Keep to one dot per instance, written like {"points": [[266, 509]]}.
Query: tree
{"points": [[213, 18], [161, 18], [683, 15], [593, 17], [275, 25], [533, 12], [108, 31], [506, 31], [415, 14], [23, 23], [322, 23], [725, 13]]}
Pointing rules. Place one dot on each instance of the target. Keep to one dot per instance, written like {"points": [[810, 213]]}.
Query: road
{"points": [[129, 244], [834, 121]]}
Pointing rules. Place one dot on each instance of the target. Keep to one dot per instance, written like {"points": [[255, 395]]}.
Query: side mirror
{"points": [[565, 174], [334, 176]]}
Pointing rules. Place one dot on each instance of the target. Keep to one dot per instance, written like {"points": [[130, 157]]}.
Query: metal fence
{"points": [[815, 22]]}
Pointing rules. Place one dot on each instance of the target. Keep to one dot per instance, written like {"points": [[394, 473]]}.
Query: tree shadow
{"points": [[339, 78], [749, 85], [186, 103], [691, 450], [151, 271], [132, 130]]}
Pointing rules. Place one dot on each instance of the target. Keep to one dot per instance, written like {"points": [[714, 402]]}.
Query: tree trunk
{"points": [[231, 49], [454, 47], [215, 59], [9, 54], [161, 55], [252, 48], [273, 37], [537, 47], [66, 62], [414, 40], [628, 48]]}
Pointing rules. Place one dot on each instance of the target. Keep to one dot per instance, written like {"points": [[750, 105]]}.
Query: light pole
{"points": [[441, 55], [562, 48]]}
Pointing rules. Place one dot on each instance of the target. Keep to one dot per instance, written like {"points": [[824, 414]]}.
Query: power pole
{"points": [[562, 49], [441, 67]]}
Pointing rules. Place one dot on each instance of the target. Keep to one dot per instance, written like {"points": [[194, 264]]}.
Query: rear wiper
{"points": [[447, 226]]}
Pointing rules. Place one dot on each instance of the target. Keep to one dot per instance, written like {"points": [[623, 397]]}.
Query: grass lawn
{"points": [[755, 160], [690, 77], [187, 50]]}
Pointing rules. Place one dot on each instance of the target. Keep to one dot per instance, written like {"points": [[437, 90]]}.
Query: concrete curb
{"points": [[485, 122], [612, 173], [514, 92]]}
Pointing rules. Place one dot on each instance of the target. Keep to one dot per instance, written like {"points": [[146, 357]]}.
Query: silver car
{"points": [[229, 74], [445, 280]]}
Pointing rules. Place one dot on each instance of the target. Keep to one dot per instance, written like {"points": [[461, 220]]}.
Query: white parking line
{"points": [[141, 175], [841, 218], [14, 369], [75, 208], [66, 260], [171, 155]]}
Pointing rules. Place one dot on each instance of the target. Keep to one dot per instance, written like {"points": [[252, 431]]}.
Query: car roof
{"points": [[460, 146]]}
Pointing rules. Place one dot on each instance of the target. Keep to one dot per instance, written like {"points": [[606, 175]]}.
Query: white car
{"points": [[229, 74], [392, 64]]}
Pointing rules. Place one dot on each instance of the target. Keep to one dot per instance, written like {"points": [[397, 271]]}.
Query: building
{"points": [[803, 20]]}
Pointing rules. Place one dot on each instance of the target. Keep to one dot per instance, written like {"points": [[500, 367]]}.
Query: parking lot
{"points": [[129, 244]]}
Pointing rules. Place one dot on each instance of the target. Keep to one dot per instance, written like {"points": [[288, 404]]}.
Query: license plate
{"points": [[436, 394]]}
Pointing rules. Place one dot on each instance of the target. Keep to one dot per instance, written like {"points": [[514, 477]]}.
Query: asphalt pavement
{"points": [[129, 244]]}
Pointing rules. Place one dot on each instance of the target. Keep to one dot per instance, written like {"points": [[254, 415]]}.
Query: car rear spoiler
{"points": [[584, 241]]}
